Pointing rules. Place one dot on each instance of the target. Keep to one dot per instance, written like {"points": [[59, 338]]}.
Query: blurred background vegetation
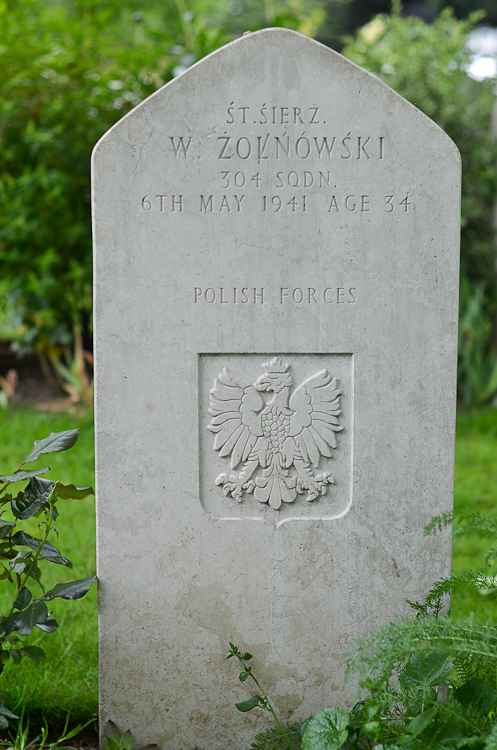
{"points": [[72, 68]]}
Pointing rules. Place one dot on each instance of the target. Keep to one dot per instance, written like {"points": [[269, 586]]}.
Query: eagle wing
{"points": [[236, 419], [314, 424]]}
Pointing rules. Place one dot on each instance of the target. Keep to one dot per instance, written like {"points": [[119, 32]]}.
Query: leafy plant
{"points": [[124, 741], [259, 699], [75, 375], [432, 680], [21, 554]]}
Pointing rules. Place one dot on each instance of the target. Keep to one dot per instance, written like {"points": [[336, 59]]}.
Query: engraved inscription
{"points": [[288, 203], [303, 147], [226, 295], [274, 161], [272, 115], [244, 295], [267, 430]]}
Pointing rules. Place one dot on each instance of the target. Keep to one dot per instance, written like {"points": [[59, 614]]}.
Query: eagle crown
{"points": [[276, 378]]}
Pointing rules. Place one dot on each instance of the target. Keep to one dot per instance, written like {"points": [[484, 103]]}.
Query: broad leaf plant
{"points": [[23, 556]]}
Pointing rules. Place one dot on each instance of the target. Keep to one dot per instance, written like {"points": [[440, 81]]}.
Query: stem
{"points": [[280, 727], [48, 529], [248, 670]]}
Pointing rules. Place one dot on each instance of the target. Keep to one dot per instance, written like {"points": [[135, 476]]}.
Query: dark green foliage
{"points": [[463, 8], [70, 70], [21, 555]]}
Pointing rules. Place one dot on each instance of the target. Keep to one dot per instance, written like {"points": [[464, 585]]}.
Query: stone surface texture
{"points": [[276, 240]]}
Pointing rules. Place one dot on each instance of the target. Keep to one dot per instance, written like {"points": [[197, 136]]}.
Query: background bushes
{"points": [[71, 69]]}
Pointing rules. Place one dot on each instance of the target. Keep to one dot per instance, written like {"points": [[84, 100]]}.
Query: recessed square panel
{"points": [[276, 438]]}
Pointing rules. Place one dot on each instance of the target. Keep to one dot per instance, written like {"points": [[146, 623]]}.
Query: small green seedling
{"points": [[118, 741], [261, 701]]}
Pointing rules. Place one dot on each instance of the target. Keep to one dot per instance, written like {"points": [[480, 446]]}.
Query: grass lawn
{"points": [[475, 489], [67, 680]]}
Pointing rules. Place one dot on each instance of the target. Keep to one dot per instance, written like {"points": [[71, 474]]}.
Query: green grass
{"points": [[475, 489], [67, 680]]}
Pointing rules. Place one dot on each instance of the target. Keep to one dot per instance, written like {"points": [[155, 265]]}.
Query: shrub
{"points": [[69, 72]]}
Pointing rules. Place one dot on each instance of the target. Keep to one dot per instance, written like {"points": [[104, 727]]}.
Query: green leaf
{"points": [[54, 443], [23, 599], [478, 695], [5, 528], [428, 669], [71, 590], [327, 730], [5, 712], [112, 732], [20, 562], [303, 728], [33, 652], [35, 574], [3, 722], [248, 704], [35, 497], [420, 722], [127, 740], [21, 475], [246, 656], [35, 614], [48, 551], [49, 626], [69, 491], [243, 676], [16, 656]]}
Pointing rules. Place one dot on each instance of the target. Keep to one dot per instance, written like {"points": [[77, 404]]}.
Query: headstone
{"points": [[276, 274]]}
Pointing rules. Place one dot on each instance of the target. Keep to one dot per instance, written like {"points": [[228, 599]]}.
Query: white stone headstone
{"points": [[276, 275]]}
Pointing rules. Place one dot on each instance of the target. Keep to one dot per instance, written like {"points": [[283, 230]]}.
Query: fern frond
{"points": [[389, 649], [272, 739], [438, 523], [477, 578], [474, 522], [491, 743], [491, 554]]}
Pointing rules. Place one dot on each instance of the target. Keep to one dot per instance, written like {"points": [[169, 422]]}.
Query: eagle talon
{"points": [[249, 486], [231, 486], [318, 484], [302, 486]]}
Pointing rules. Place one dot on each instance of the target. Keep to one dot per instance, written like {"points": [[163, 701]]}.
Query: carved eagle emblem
{"points": [[271, 433]]}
